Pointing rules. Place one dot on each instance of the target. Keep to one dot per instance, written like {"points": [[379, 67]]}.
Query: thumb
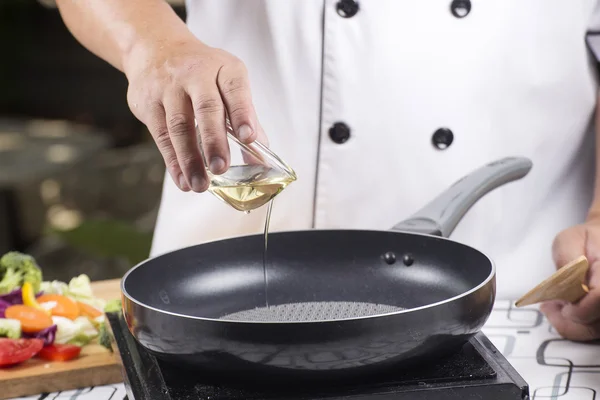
{"points": [[568, 245]]}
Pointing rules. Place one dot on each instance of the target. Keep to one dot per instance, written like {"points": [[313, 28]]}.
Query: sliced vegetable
{"points": [[10, 328], [81, 286], [113, 306], [16, 351], [54, 287], [104, 337], [79, 289], [99, 320], [16, 296], [29, 296], [52, 313], [87, 310], [60, 352], [62, 305], [47, 335], [3, 306], [79, 332], [32, 319]]}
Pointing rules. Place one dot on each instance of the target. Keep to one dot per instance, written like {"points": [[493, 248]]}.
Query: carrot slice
{"points": [[32, 319], [85, 310], [65, 307]]}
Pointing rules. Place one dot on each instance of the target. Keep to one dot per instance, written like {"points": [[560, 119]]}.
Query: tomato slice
{"points": [[32, 319], [60, 352], [86, 310], [65, 307], [16, 351]]}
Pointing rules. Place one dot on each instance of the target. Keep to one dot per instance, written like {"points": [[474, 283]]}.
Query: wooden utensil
{"points": [[567, 283], [95, 366]]}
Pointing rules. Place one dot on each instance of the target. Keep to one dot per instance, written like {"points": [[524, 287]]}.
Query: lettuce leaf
{"points": [[10, 328], [79, 331], [79, 289]]}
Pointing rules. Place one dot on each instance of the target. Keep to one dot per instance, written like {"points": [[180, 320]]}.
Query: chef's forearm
{"points": [[112, 29]]}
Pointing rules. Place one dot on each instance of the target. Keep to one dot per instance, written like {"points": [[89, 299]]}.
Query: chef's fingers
{"points": [[179, 117], [156, 124], [210, 115], [566, 327], [568, 245], [234, 88], [587, 310], [584, 312]]}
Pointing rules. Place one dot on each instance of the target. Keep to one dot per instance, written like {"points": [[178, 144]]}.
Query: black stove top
{"points": [[478, 371]]}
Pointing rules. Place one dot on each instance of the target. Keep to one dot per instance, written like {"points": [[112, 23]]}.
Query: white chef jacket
{"points": [[511, 78]]}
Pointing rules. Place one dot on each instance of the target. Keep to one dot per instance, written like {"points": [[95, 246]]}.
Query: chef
{"points": [[378, 105]]}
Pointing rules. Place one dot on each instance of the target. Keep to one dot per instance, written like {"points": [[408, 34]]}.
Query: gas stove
{"points": [[477, 371]]}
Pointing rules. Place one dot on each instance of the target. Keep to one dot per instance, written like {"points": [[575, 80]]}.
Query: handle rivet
{"points": [[389, 257], [408, 260]]}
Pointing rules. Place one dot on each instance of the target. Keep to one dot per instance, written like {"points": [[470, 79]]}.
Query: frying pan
{"points": [[342, 303]]}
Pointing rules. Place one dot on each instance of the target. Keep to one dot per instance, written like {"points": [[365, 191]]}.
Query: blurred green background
{"points": [[80, 178]]}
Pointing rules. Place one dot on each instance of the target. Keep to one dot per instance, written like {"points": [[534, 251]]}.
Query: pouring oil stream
{"points": [[267, 221]]}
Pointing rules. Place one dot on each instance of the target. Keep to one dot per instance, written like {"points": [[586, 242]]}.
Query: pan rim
{"points": [[481, 285]]}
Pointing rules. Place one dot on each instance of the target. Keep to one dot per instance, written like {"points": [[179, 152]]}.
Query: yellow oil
{"points": [[265, 254], [248, 187]]}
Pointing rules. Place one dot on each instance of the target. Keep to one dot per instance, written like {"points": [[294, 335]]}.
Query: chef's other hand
{"points": [[170, 84], [579, 321]]}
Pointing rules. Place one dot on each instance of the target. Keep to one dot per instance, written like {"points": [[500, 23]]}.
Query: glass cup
{"points": [[255, 176]]}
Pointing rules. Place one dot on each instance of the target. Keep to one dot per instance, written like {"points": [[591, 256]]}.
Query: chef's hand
{"points": [[580, 321], [170, 84]]}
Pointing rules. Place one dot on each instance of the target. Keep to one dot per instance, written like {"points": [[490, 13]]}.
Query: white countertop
{"points": [[554, 368]]}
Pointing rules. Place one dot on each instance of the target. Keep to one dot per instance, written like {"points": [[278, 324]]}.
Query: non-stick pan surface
{"points": [[341, 301]]}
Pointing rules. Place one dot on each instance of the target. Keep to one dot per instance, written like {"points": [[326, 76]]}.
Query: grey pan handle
{"points": [[441, 215]]}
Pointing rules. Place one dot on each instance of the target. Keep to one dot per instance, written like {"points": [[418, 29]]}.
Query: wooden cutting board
{"points": [[95, 366]]}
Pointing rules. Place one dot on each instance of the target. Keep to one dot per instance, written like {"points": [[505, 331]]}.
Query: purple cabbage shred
{"points": [[3, 306], [16, 296], [48, 334]]}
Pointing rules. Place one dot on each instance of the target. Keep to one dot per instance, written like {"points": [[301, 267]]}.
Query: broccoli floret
{"points": [[10, 328], [11, 280], [112, 306], [104, 336], [15, 266]]}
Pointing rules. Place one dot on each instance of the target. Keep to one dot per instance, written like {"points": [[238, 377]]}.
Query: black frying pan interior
{"points": [[392, 270]]}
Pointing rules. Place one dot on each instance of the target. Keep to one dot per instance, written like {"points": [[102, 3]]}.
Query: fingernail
{"points": [[217, 164], [182, 182], [244, 133], [197, 183]]}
